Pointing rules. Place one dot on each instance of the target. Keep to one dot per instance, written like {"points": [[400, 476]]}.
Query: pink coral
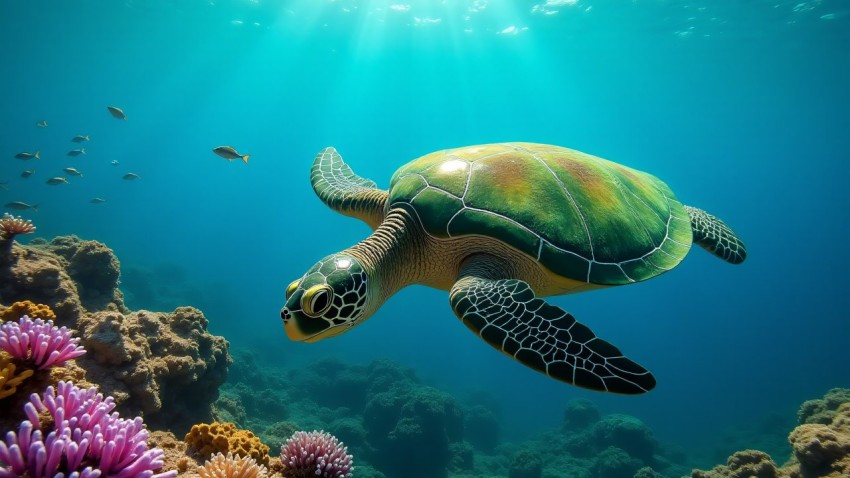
{"points": [[315, 454], [83, 432], [41, 342]]}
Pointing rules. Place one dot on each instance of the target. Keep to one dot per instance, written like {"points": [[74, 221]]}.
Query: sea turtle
{"points": [[498, 226]]}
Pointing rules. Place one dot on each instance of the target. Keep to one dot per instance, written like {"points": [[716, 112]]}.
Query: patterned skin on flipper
{"points": [[344, 191], [716, 237], [544, 337]]}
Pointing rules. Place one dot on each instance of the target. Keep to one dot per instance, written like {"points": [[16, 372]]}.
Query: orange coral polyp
{"points": [[209, 439], [26, 307], [9, 381]]}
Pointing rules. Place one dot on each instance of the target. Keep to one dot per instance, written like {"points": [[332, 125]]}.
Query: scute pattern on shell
{"points": [[581, 216]]}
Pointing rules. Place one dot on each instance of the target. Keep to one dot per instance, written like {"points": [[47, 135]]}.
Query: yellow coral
{"points": [[8, 380], [217, 437], [221, 466], [31, 309]]}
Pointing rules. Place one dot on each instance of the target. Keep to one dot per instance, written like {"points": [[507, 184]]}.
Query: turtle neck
{"points": [[391, 254]]}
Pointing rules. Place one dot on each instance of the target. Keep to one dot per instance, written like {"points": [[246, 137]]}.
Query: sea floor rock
{"points": [[164, 366], [820, 450]]}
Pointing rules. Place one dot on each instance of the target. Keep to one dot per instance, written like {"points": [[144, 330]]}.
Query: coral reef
{"points": [[229, 466], [526, 464], [823, 410], [315, 453], [580, 414], [208, 439], [36, 274], [410, 429], [71, 431], [819, 450], [25, 307], [481, 427], [147, 361], [94, 269], [396, 426]]}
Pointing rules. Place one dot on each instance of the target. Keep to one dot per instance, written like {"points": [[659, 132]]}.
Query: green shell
{"points": [[581, 216]]}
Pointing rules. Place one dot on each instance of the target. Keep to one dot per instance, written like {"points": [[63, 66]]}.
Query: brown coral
{"points": [[148, 360], [229, 466], [34, 273], [9, 381], [26, 307], [820, 450], [743, 464], [208, 439], [823, 450]]}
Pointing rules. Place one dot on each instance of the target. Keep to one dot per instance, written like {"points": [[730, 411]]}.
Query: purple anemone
{"points": [[41, 342], [86, 441], [316, 453]]}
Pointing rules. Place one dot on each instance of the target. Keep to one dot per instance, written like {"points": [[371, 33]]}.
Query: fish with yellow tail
{"points": [[116, 112], [229, 153], [57, 180], [26, 155], [42, 124], [73, 172], [131, 176]]}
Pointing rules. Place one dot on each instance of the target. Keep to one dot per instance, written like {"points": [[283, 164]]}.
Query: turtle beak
{"points": [[300, 328]]}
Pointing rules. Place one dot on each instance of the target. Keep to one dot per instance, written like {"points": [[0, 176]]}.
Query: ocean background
{"points": [[742, 107]]}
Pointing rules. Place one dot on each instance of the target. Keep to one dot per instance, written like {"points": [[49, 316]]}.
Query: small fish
{"points": [[229, 153], [73, 172], [21, 206], [27, 155], [114, 162], [116, 112], [42, 124], [80, 138], [97, 200], [77, 152], [27, 173], [55, 181], [4, 185], [131, 176]]}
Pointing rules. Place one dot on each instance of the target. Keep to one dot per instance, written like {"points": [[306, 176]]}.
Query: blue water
{"points": [[740, 106]]}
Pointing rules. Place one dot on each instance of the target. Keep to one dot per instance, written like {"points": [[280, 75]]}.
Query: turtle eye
{"points": [[291, 287], [317, 300]]}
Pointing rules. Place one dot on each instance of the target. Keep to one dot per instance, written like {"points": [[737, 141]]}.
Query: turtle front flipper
{"points": [[506, 313], [346, 192], [716, 237]]}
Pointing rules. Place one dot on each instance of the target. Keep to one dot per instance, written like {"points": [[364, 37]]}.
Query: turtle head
{"points": [[330, 299]]}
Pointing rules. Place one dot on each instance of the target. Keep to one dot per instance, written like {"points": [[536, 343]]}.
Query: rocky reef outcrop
{"points": [[166, 367], [820, 444]]}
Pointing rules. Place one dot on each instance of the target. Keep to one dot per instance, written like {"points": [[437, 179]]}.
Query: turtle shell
{"points": [[580, 216]]}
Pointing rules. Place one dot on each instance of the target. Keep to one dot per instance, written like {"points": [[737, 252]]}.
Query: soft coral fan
{"points": [[86, 441], [41, 342]]}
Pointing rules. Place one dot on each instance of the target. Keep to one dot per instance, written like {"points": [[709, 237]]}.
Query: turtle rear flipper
{"points": [[346, 192], [506, 313], [716, 237]]}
